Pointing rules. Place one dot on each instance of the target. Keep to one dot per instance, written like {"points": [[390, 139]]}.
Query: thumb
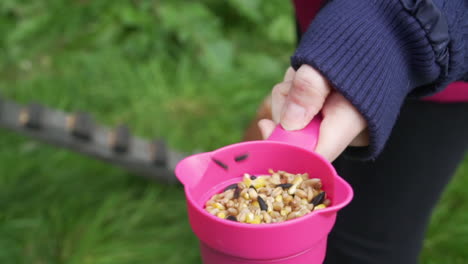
{"points": [[306, 97]]}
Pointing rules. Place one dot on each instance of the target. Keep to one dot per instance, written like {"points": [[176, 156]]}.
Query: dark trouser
{"points": [[396, 193]]}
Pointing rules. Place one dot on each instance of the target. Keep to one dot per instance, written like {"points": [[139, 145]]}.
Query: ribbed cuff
{"points": [[369, 52]]}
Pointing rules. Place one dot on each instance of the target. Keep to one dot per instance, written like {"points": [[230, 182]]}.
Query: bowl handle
{"points": [[305, 138]]}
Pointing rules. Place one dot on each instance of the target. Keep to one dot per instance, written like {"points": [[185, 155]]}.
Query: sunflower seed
{"points": [[263, 205], [241, 157], [236, 193], [220, 163], [318, 199], [232, 186], [285, 185], [232, 218]]}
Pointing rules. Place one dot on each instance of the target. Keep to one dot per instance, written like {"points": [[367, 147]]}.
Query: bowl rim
{"points": [[332, 208]]}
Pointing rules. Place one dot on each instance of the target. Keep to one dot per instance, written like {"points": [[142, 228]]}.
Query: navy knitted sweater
{"points": [[377, 53]]}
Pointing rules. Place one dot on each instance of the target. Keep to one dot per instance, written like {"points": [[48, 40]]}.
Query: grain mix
{"points": [[273, 198]]}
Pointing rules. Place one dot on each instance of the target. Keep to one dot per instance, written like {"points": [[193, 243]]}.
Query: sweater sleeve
{"points": [[379, 52]]}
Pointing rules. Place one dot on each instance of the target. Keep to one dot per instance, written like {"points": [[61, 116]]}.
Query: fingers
{"points": [[306, 96], [304, 93], [341, 124], [266, 127], [279, 94], [278, 98], [289, 75]]}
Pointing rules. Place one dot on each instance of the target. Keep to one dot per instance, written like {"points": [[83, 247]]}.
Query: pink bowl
{"points": [[297, 241]]}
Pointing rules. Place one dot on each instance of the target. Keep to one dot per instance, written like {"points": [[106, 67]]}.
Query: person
{"points": [[378, 71]]}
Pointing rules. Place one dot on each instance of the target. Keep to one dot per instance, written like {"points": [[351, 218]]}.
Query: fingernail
{"points": [[293, 117]]}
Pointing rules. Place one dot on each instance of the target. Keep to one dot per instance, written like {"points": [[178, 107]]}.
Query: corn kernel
{"points": [[221, 215], [319, 206], [283, 212], [247, 180], [246, 196], [279, 198], [249, 218], [259, 183], [297, 181], [256, 220], [219, 206], [256, 204]]}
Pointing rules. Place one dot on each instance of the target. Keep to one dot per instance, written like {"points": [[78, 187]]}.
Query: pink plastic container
{"points": [[298, 241]]}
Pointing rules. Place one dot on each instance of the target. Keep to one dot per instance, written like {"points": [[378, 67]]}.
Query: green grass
{"points": [[193, 76]]}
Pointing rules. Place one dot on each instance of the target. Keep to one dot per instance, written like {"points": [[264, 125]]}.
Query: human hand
{"points": [[304, 93]]}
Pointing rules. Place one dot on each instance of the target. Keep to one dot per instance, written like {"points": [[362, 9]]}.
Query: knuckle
{"points": [[312, 99], [302, 84], [309, 81]]}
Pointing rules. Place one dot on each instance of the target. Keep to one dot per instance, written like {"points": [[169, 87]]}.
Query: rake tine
{"points": [[79, 133]]}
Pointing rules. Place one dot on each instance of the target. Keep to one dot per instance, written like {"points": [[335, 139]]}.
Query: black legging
{"points": [[396, 193]]}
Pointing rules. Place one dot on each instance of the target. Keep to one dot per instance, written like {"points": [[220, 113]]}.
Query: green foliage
{"points": [[205, 31]]}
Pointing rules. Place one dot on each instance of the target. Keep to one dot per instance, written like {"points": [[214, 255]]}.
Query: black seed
{"points": [[253, 177], [241, 157], [284, 185], [230, 187], [318, 199], [236, 193], [231, 218], [221, 164], [263, 205]]}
